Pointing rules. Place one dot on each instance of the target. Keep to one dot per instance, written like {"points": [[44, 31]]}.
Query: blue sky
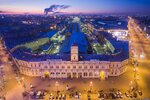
{"points": [[77, 6]]}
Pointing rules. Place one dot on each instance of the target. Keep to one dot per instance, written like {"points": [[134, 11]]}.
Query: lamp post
{"points": [[23, 83], [57, 84], [142, 55], [135, 77], [91, 85]]}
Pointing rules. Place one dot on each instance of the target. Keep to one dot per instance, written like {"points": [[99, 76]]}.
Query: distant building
{"points": [[120, 34], [2, 53]]}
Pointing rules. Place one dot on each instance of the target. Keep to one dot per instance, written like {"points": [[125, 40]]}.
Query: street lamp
{"points": [[142, 56], [135, 69], [130, 82], [23, 83], [91, 85], [130, 86], [57, 84]]}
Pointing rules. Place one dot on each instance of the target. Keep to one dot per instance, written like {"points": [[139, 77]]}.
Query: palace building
{"points": [[73, 61], [73, 67]]}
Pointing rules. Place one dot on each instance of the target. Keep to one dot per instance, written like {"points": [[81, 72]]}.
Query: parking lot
{"points": [[70, 89], [71, 94]]}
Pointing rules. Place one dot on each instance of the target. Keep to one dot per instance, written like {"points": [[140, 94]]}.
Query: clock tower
{"points": [[74, 53]]}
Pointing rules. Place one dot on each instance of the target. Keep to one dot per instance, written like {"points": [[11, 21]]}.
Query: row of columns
{"points": [[63, 74], [73, 74]]}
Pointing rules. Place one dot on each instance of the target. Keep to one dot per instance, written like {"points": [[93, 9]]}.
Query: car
{"points": [[38, 95], [64, 97], [56, 97], [140, 92], [127, 94], [76, 96], [135, 95], [24, 94], [113, 95], [2, 98], [119, 92], [131, 96], [80, 94], [51, 97], [89, 97], [60, 97], [32, 93], [121, 96]]}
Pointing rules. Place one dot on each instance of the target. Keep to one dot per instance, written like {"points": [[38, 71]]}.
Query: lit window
{"points": [[80, 67], [45, 67], [51, 67], [85, 67], [97, 66], [68, 67], [74, 67], [85, 74], [57, 66], [91, 67]]}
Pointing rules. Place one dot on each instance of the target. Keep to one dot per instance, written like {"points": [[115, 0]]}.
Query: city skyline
{"points": [[86, 6]]}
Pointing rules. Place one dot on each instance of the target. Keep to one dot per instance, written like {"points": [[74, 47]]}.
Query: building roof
{"points": [[22, 55], [121, 49], [46, 47], [117, 24], [77, 38], [49, 34]]}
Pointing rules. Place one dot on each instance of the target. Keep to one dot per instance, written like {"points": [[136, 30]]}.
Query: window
{"points": [[74, 67], [90, 74], [97, 66], [51, 67], [91, 67], [63, 73], [63, 67], [85, 74], [85, 67], [68, 67], [80, 67], [57, 67], [45, 67]]}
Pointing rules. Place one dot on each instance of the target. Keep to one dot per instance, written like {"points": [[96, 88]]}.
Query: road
{"points": [[140, 46]]}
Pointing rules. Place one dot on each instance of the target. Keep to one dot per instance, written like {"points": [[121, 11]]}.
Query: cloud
{"points": [[55, 9], [5, 10], [1, 11]]}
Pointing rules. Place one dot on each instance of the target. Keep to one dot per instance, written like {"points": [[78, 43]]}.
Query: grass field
{"points": [[100, 49], [35, 44]]}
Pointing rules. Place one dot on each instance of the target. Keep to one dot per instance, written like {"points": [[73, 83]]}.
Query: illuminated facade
{"points": [[73, 61], [58, 68]]}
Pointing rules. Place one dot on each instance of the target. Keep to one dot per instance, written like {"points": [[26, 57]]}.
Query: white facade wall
{"points": [[66, 69]]}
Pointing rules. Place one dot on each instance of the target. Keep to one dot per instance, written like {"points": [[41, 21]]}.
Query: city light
{"points": [[74, 50]]}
